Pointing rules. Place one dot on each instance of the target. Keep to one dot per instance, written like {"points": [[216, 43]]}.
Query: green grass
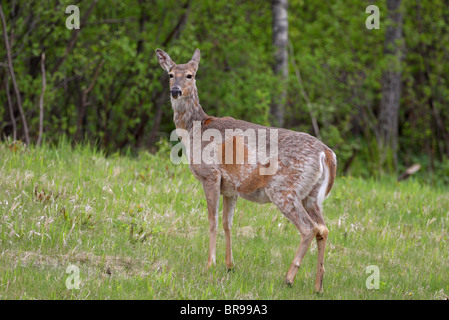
{"points": [[136, 227]]}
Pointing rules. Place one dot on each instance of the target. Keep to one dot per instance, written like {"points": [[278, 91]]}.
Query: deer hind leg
{"points": [[313, 208], [292, 208], [306, 239], [212, 192], [228, 213], [321, 239]]}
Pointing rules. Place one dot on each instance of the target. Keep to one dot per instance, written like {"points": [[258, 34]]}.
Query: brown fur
{"points": [[241, 172]]}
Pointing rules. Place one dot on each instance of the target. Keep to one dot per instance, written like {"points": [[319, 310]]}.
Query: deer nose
{"points": [[175, 92]]}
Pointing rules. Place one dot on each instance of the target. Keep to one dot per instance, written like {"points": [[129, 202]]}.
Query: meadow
{"points": [[135, 227]]}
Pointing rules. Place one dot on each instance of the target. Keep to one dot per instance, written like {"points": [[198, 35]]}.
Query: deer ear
{"points": [[164, 60], [196, 57]]}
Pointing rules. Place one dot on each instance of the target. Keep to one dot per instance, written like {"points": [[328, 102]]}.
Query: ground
{"points": [[135, 227]]}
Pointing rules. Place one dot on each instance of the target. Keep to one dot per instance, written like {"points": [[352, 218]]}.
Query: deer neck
{"points": [[187, 110]]}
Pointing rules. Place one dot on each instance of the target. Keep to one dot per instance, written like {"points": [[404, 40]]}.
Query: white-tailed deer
{"points": [[303, 175]]}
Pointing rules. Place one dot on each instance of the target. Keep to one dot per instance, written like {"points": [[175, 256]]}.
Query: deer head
{"points": [[182, 76]]}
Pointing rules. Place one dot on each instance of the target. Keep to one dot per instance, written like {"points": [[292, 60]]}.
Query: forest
{"points": [[377, 95]]}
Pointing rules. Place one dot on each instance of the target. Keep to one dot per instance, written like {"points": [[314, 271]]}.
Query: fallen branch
{"points": [[411, 170]]}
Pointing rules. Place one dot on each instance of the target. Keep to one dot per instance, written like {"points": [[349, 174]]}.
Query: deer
{"points": [[300, 180]]}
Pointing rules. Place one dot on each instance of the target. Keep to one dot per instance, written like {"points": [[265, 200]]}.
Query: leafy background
{"points": [[127, 107]]}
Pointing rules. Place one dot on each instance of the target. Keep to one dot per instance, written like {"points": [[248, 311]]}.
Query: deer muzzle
{"points": [[175, 92]]}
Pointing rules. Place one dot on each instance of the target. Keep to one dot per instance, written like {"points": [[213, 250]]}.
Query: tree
{"points": [[280, 67], [391, 86]]}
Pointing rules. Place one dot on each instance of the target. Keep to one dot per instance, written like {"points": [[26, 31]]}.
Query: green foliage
{"points": [[341, 64]]}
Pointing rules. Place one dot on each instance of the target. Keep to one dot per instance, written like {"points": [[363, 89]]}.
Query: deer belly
{"points": [[250, 188], [257, 196]]}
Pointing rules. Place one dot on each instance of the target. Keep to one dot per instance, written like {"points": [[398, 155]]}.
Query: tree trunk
{"points": [[280, 68], [391, 87]]}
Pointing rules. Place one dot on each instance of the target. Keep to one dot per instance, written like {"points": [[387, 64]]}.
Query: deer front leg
{"points": [[228, 213], [212, 192]]}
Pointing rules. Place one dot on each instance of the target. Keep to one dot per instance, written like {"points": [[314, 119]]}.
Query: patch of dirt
{"points": [[108, 265]]}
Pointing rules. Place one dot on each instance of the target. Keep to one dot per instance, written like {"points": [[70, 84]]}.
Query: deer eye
{"points": [[170, 75], [189, 76]]}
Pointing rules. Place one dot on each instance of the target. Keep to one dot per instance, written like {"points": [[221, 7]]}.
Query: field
{"points": [[135, 227]]}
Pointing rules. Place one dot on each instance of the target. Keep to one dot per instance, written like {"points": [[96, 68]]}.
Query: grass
{"points": [[136, 227]]}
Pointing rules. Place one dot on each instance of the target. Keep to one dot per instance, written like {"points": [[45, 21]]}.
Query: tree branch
{"points": [[75, 35], [13, 77], [316, 129], [174, 34], [11, 111], [41, 101], [82, 111]]}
